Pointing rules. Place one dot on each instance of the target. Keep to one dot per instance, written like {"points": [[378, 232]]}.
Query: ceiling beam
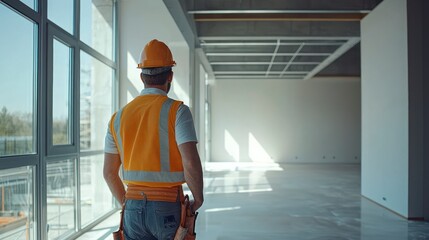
{"points": [[273, 57], [205, 62], [234, 54], [263, 63], [273, 5], [291, 60], [335, 55], [184, 22], [259, 72], [305, 17], [277, 11], [249, 77], [279, 29], [262, 38], [228, 44]]}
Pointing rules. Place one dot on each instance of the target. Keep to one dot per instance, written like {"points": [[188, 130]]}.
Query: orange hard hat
{"points": [[156, 54]]}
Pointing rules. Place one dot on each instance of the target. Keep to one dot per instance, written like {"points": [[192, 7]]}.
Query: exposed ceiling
{"points": [[293, 39]]}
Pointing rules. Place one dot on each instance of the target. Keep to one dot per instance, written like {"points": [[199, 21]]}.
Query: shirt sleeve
{"points": [[185, 129], [109, 143]]}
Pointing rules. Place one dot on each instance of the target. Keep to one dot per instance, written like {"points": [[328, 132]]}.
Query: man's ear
{"points": [[141, 77], [170, 77]]}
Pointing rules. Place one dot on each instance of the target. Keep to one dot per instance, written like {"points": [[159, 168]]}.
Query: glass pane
{"points": [[30, 3], [96, 199], [96, 27], [16, 199], [95, 102], [61, 100], [61, 13], [61, 197], [17, 71]]}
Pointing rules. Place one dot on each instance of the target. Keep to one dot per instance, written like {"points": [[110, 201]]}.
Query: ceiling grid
{"points": [[272, 39], [295, 58]]}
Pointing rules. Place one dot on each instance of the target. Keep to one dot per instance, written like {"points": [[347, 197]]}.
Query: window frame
{"points": [[42, 86], [63, 37]]}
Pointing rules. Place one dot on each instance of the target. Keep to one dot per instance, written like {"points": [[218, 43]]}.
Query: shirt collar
{"points": [[152, 91]]}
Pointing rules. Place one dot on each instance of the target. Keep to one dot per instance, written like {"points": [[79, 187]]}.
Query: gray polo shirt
{"points": [[185, 130]]}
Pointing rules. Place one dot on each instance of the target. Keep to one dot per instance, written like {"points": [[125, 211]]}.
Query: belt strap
{"points": [[171, 194]]}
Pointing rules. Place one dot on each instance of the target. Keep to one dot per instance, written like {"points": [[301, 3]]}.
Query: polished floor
{"points": [[289, 201]]}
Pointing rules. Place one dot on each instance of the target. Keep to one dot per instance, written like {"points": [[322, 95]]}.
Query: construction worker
{"points": [[153, 138]]}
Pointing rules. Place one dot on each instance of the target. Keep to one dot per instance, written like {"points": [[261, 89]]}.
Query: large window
{"points": [[61, 103], [95, 101], [61, 198], [31, 3], [96, 197], [61, 12], [17, 77], [57, 95], [96, 27], [17, 203]]}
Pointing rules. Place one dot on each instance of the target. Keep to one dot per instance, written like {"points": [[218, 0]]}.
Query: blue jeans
{"points": [[151, 219]]}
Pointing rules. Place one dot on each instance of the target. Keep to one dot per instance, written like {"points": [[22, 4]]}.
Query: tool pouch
{"points": [[186, 230], [118, 235]]}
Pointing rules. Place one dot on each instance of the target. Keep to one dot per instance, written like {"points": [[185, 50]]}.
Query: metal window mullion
{"points": [[8, 162], [91, 153], [92, 52], [69, 151], [76, 116], [41, 178], [54, 32], [55, 158]]}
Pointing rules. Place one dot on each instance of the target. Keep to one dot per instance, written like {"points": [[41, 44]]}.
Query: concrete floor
{"points": [[289, 201]]}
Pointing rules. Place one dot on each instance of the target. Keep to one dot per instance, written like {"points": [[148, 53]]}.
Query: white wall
{"points": [[286, 121], [202, 114], [385, 106], [139, 22]]}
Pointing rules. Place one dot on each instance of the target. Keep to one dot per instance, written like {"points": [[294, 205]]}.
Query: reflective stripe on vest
{"points": [[165, 175]]}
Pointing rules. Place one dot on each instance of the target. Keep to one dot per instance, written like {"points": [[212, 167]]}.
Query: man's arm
{"points": [[193, 172], [112, 162]]}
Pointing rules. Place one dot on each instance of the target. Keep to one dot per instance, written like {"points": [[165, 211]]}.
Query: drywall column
{"points": [[415, 112], [392, 107], [385, 106], [418, 77], [426, 108], [202, 114]]}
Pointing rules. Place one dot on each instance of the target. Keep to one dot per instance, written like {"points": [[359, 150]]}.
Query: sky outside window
{"points": [[61, 102], [61, 13], [96, 28], [17, 77], [30, 3]]}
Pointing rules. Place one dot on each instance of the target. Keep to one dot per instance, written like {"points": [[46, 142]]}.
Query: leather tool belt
{"points": [[171, 194]]}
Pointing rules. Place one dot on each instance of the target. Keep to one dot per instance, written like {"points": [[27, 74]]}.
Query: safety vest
{"points": [[144, 133]]}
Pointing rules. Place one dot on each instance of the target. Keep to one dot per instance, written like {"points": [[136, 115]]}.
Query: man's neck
{"points": [[160, 87]]}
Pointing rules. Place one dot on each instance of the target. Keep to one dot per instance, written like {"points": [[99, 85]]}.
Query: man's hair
{"points": [[158, 79]]}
